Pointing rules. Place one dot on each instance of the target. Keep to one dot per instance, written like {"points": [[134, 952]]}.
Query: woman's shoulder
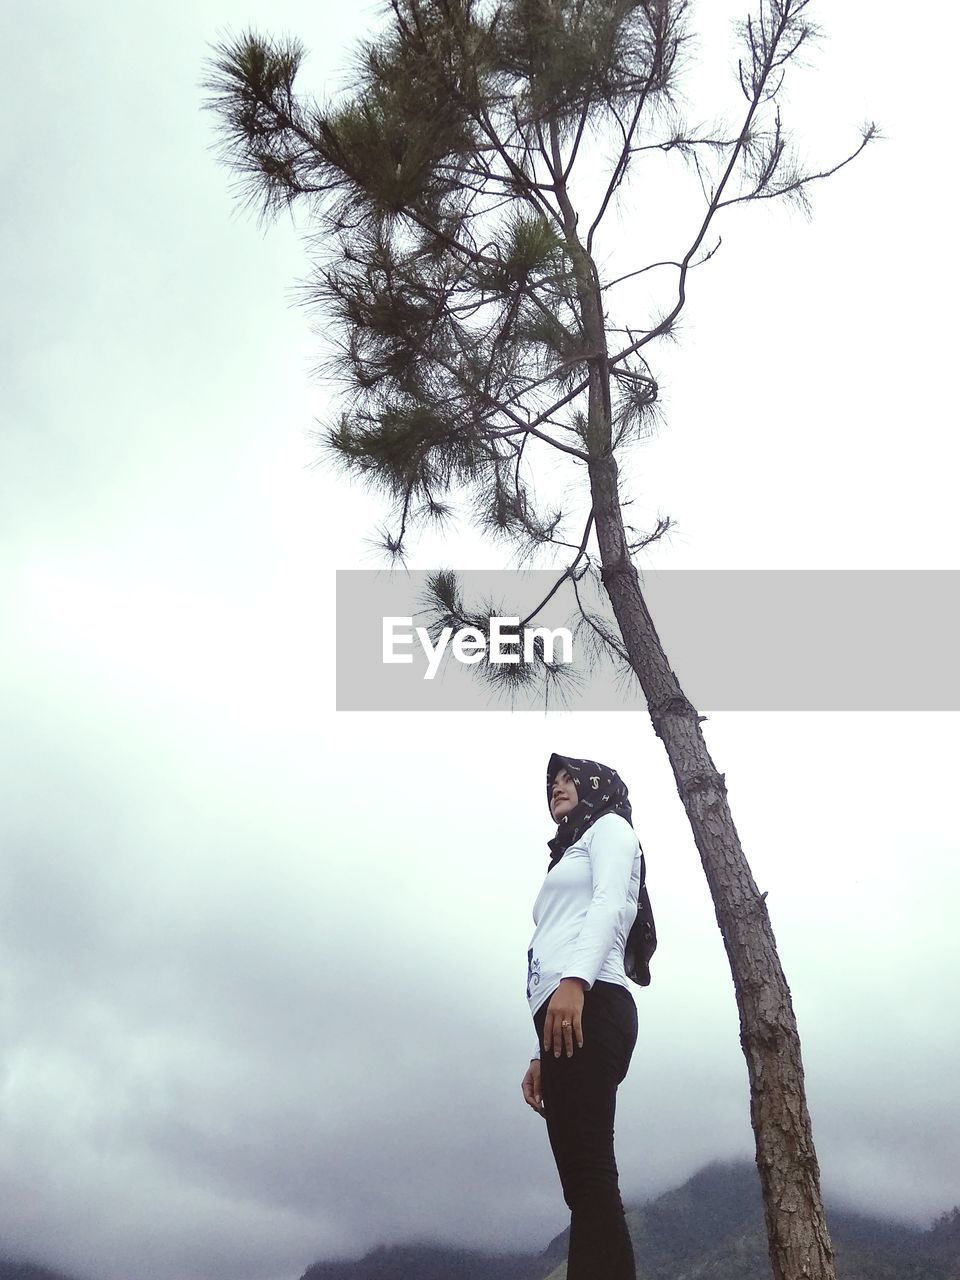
{"points": [[611, 828], [611, 822]]}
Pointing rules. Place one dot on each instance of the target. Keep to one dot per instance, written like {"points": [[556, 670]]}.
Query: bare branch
{"points": [[870, 133], [567, 573]]}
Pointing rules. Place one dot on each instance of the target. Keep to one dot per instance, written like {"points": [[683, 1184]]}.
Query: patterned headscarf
{"points": [[600, 790]]}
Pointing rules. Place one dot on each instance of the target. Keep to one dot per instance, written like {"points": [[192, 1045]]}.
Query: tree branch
{"points": [[567, 573]]}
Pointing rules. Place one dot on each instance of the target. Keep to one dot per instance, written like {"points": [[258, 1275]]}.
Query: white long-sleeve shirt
{"points": [[584, 911]]}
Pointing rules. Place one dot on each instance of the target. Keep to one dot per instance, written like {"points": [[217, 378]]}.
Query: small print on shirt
{"points": [[533, 973]]}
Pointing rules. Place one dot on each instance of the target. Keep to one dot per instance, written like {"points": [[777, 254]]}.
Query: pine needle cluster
{"points": [[468, 323]]}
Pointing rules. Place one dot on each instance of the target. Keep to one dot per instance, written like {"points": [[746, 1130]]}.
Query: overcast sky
{"points": [[262, 964]]}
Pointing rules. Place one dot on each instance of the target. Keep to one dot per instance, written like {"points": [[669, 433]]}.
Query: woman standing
{"points": [[583, 1011]]}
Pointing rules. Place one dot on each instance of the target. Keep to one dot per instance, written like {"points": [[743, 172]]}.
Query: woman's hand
{"points": [[562, 1026], [530, 1086]]}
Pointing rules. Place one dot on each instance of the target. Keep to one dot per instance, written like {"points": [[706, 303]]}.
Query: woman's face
{"points": [[563, 796]]}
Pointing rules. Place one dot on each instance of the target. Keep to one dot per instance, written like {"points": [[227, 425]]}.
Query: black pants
{"points": [[579, 1100]]}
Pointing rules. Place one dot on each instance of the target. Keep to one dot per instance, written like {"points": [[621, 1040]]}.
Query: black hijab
{"points": [[600, 790]]}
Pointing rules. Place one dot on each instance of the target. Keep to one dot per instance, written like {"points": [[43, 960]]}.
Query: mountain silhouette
{"points": [[11, 1270], [710, 1228]]}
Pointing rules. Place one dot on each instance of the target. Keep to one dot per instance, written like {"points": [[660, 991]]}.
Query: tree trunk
{"points": [[799, 1241], [789, 1175]]}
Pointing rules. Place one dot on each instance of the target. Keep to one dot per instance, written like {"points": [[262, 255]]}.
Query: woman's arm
{"points": [[613, 849]]}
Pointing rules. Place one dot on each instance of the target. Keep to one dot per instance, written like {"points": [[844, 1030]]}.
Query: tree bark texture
{"points": [[789, 1174]]}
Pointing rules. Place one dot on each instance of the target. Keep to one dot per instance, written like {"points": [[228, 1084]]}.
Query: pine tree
{"points": [[457, 265]]}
